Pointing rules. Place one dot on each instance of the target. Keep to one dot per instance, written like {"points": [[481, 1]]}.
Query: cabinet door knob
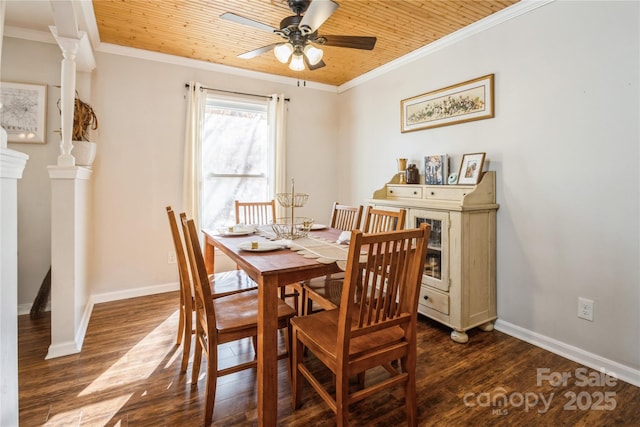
{"points": [[426, 297], [432, 193], [415, 192], [391, 191]]}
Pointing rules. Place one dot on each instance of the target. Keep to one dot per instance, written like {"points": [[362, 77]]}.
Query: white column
{"points": [[70, 307], [67, 98], [70, 198], [12, 165]]}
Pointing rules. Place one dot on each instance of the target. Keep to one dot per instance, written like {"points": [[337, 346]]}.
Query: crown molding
{"points": [[43, 37], [208, 66], [29, 34], [520, 8], [517, 9]]}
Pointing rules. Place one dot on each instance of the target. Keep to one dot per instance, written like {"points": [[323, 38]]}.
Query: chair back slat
{"points": [[382, 220], [202, 292], [346, 218], [382, 284], [258, 213], [181, 258]]}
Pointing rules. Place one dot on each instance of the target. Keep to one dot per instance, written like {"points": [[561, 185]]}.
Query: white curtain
{"points": [[191, 183], [277, 114]]}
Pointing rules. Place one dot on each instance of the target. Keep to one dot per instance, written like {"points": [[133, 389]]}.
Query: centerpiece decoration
{"points": [[292, 227]]}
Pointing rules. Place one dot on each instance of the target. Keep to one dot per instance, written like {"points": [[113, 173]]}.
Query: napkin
{"points": [[344, 237]]}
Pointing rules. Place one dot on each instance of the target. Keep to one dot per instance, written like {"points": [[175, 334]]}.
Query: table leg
{"points": [[209, 256], [267, 351]]}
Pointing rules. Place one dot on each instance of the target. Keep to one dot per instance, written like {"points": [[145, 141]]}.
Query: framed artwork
{"points": [[464, 102], [471, 168], [24, 111], [436, 169]]}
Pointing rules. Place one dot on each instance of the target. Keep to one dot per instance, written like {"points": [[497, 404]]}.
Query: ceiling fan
{"points": [[301, 33]]}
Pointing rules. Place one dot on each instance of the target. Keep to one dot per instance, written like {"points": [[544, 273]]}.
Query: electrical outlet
{"points": [[172, 257], [585, 309]]}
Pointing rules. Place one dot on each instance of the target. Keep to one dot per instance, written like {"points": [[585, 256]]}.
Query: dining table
{"points": [[271, 270]]}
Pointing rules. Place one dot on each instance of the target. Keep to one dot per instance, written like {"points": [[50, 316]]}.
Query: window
{"points": [[237, 158]]}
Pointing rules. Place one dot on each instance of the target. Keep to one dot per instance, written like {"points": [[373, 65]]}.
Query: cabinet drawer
{"points": [[446, 193], [404, 191], [434, 299]]}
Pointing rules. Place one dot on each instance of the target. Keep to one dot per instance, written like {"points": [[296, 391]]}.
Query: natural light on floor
{"points": [[123, 376], [140, 352], [92, 414]]}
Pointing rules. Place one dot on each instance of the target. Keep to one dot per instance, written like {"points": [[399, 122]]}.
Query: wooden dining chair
{"points": [[326, 292], [263, 213], [382, 220], [327, 289], [374, 326], [345, 217], [222, 320], [221, 284], [257, 213]]}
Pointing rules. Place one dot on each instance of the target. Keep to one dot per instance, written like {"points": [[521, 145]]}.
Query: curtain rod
{"points": [[236, 93]]}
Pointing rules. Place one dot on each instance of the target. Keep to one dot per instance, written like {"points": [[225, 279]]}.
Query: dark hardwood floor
{"points": [[128, 375]]}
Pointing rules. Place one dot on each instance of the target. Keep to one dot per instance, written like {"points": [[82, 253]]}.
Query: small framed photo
{"points": [[436, 169], [471, 168], [24, 111]]}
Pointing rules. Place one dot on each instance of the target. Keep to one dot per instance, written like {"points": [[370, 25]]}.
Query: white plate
{"points": [[262, 246], [234, 233], [237, 231], [318, 226]]}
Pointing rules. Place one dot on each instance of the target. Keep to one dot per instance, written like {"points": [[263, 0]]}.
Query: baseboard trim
{"points": [[62, 349], [115, 296], [134, 293], [625, 373], [84, 324], [26, 309], [620, 371], [75, 346]]}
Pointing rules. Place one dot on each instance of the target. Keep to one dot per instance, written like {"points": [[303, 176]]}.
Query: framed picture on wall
{"points": [[436, 169], [471, 168], [24, 111], [460, 103]]}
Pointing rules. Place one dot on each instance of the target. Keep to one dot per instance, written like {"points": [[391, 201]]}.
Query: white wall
{"points": [[141, 105], [38, 63], [565, 145], [138, 170]]}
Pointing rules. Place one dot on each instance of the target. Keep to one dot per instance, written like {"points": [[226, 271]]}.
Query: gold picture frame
{"points": [[24, 112], [464, 102], [471, 168]]}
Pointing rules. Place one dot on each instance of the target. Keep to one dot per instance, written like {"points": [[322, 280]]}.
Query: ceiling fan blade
{"points": [[353, 42], [228, 16], [313, 67], [258, 52], [318, 12]]}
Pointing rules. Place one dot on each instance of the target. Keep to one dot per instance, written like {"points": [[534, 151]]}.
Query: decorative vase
{"points": [[402, 166], [84, 152]]}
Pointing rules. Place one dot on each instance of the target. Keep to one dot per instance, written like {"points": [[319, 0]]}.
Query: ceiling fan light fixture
{"points": [[297, 62], [283, 52], [314, 55]]}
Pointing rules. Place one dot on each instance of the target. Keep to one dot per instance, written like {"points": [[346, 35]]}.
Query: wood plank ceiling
{"points": [[193, 29]]}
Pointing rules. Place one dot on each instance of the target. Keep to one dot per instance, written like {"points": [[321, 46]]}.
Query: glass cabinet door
{"points": [[436, 267]]}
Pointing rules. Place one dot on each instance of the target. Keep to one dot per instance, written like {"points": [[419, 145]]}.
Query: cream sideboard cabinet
{"points": [[459, 281]]}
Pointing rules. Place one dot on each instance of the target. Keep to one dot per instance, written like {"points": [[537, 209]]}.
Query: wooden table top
{"points": [[279, 262]]}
